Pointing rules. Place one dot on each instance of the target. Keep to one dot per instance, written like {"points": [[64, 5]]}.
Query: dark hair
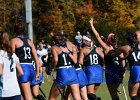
{"points": [[130, 38], [5, 43], [64, 36], [58, 38], [114, 39], [19, 27]]}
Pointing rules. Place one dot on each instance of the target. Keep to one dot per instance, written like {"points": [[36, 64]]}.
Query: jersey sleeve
{"points": [[1, 61], [37, 51], [16, 59], [46, 52]]}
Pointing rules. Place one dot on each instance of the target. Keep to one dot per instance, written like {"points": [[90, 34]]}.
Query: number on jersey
{"points": [[136, 57], [27, 53], [11, 68], [93, 59], [116, 60], [65, 61]]}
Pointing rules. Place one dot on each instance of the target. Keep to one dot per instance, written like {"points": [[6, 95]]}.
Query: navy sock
{"points": [[92, 96], [40, 97]]}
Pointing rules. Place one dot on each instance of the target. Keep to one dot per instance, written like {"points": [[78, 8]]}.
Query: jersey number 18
{"points": [[93, 59]]}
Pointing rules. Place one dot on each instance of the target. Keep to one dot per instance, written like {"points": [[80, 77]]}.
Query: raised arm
{"points": [[102, 43], [123, 49]]}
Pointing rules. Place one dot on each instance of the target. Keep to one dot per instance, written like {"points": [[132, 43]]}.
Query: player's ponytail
{"points": [[112, 38], [19, 27], [5, 43]]}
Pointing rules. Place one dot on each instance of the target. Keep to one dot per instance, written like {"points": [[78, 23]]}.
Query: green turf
{"points": [[102, 91]]}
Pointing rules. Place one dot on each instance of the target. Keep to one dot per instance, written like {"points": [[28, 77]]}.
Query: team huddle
{"points": [[79, 68]]}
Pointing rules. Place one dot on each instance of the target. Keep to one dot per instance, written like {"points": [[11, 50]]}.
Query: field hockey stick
{"points": [[124, 92], [42, 92]]}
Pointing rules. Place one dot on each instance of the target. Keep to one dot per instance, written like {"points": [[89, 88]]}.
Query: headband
{"points": [[86, 38]]}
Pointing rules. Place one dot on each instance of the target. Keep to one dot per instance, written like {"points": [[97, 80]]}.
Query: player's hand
{"points": [[37, 77], [64, 49], [91, 21], [77, 65], [49, 71]]}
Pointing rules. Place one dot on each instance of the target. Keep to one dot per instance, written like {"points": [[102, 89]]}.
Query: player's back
{"points": [[8, 80]]}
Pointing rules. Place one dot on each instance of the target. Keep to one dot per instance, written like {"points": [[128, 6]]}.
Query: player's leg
{"points": [[113, 88], [54, 92], [26, 91], [75, 91], [133, 90], [83, 91]]}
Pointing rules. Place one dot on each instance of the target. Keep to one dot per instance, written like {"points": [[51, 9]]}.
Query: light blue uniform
{"points": [[9, 87]]}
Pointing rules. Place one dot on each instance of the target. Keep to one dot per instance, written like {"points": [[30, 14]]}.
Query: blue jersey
{"points": [[63, 60], [134, 56], [92, 58], [112, 61], [114, 70], [66, 73], [134, 62], [24, 52], [25, 57]]}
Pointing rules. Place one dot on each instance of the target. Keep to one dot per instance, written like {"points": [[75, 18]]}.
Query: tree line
{"points": [[70, 16]]}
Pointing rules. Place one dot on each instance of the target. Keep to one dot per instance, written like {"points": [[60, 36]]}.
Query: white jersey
{"points": [[78, 38], [41, 53], [8, 80]]}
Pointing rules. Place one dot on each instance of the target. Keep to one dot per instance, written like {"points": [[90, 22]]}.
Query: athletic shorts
{"points": [[34, 82], [95, 74], [81, 77], [29, 74], [17, 97], [134, 73], [114, 74], [66, 75]]}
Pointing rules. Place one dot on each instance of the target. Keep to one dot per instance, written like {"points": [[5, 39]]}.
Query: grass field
{"points": [[102, 92]]}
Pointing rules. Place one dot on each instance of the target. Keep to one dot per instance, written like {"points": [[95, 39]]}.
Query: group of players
{"points": [[83, 84], [17, 56]]}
